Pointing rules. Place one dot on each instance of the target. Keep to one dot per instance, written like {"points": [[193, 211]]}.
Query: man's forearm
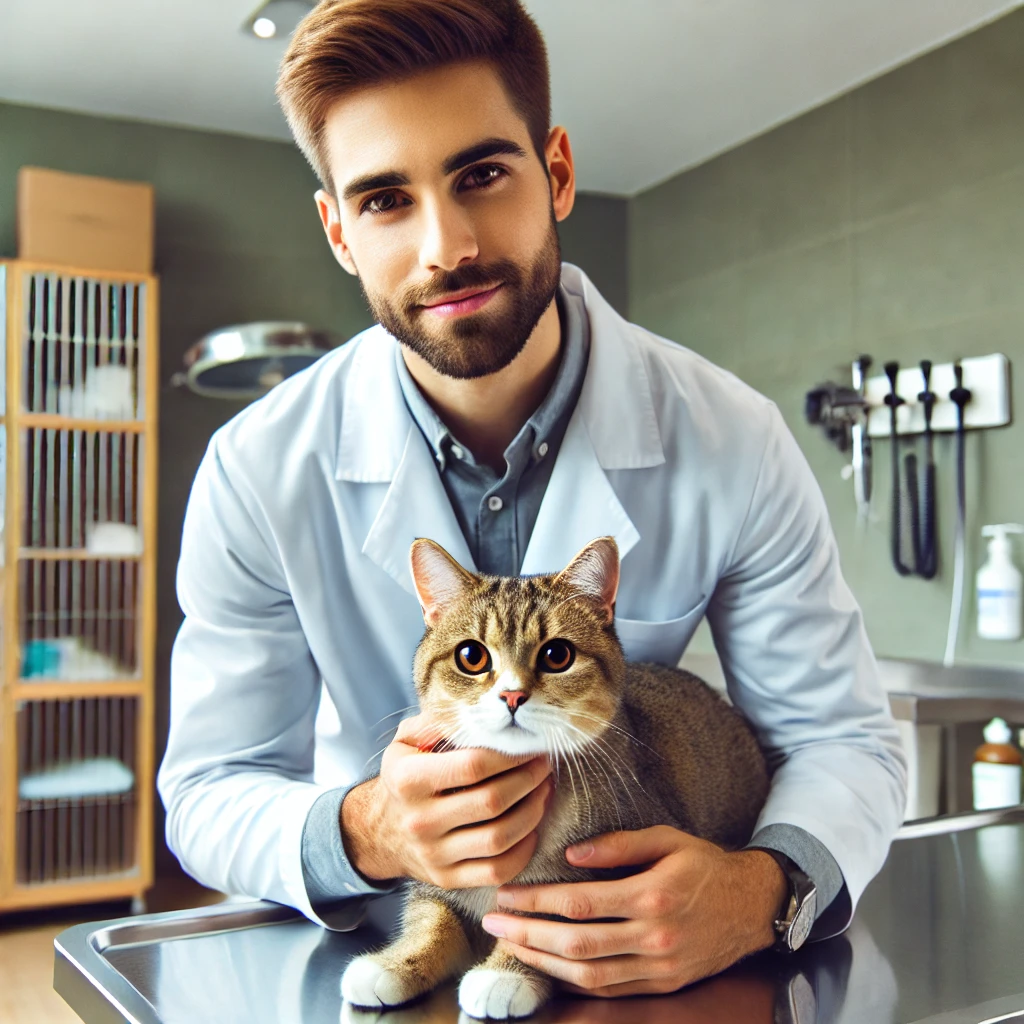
{"points": [[360, 820], [330, 877]]}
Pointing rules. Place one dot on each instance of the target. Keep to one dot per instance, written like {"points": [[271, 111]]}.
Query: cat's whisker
{"points": [[622, 732], [605, 756]]}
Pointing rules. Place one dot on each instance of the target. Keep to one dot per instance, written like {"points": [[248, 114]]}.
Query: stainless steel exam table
{"points": [[938, 938]]}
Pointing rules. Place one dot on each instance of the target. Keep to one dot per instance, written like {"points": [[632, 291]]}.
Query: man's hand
{"points": [[694, 911], [459, 819]]}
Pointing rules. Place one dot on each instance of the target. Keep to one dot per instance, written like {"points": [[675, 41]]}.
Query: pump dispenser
{"points": [[996, 772], [999, 587]]}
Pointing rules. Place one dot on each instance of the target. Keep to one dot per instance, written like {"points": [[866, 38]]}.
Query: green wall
{"points": [[890, 221], [237, 239]]}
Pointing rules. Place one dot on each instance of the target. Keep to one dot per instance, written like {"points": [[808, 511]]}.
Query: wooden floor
{"points": [[26, 949]]}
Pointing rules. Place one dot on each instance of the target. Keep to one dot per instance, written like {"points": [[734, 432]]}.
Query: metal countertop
{"points": [[938, 939]]}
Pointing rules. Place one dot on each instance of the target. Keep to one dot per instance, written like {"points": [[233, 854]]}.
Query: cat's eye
{"points": [[556, 656], [472, 658]]}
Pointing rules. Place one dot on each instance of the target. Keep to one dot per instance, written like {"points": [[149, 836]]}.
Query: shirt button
{"points": [[495, 504], [542, 449], [457, 451]]}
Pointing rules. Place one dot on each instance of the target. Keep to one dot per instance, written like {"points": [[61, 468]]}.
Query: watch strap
{"points": [[799, 909]]}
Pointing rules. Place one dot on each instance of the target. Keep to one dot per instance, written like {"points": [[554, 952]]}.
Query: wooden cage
{"points": [[78, 401]]}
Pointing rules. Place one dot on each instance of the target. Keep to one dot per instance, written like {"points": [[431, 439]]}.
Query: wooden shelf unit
{"points": [[61, 474]]}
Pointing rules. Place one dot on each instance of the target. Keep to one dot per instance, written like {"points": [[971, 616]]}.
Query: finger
{"points": [[492, 798], [418, 730], [570, 941], [457, 769], [490, 871], [578, 901], [495, 837], [418, 776], [587, 974], [621, 849]]}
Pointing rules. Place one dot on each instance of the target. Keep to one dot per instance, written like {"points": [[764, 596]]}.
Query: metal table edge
{"points": [[86, 980]]}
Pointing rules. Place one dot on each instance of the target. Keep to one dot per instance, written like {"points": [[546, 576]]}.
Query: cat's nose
{"points": [[515, 699]]}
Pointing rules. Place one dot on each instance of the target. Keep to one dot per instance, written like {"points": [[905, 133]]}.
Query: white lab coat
{"points": [[294, 582]]}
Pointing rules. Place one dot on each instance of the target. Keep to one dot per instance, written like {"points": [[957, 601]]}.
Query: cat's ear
{"points": [[595, 572], [438, 578]]}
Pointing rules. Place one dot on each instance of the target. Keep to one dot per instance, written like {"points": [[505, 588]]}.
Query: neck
{"points": [[486, 413]]}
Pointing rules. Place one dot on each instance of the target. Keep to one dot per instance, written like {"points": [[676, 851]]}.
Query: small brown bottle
{"points": [[996, 772]]}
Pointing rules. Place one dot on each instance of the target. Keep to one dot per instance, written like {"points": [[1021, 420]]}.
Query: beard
{"points": [[481, 343]]}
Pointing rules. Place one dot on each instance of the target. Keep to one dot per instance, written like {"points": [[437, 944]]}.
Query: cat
{"points": [[606, 724]]}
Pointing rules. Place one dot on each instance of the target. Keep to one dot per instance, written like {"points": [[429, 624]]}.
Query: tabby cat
{"points": [[605, 723]]}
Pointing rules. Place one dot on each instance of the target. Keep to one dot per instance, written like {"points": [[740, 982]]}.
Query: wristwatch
{"points": [[792, 929]]}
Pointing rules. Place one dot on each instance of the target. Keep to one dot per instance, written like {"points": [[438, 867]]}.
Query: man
{"points": [[504, 410]]}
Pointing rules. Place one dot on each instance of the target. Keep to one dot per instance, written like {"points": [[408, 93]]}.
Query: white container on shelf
{"points": [[999, 584]]}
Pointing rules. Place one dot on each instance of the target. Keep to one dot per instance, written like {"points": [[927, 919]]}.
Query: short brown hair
{"points": [[343, 45]]}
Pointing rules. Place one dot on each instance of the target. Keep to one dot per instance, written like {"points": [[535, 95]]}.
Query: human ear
{"points": [[327, 207], [561, 172]]}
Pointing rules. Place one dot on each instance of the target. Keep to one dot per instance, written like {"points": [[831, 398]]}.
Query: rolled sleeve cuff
{"points": [[812, 857], [337, 893]]}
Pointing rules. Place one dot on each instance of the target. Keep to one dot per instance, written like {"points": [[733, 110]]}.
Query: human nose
{"points": [[449, 239]]}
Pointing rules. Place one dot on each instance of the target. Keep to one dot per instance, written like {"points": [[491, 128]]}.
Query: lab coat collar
{"points": [[613, 427]]}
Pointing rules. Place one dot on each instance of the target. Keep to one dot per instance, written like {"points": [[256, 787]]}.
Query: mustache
{"points": [[472, 275]]}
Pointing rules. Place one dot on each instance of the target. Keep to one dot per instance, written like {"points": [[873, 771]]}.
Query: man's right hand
{"points": [[457, 819]]}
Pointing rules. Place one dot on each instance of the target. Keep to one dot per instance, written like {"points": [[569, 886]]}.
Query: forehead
{"points": [[414, 124]]}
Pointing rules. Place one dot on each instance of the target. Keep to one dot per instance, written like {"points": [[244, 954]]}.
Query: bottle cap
{"points": [[997, 731]]}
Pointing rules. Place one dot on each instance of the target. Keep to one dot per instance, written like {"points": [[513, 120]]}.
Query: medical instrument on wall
{"points": [[922, 517], [960, 397], [894, 401], [246, 360], [835, 408], [861, 443]]}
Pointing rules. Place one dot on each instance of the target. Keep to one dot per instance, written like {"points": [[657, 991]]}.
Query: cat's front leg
{"points": [[502, 987], [431, 947]]}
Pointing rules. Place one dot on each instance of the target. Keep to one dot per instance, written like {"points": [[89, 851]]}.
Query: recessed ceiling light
{"points": [[274, 19]]}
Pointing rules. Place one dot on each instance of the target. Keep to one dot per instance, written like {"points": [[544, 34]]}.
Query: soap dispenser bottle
{"points": [[996, 772], [999, 587]]}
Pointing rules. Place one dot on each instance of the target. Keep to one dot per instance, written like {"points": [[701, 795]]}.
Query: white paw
{"points": [[499, 994], [366, 983]]}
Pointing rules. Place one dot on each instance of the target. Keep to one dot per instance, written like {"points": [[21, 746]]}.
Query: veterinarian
{"points": [[502, 408]]}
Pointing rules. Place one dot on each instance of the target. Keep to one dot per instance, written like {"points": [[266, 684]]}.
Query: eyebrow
{"points": [[481, 151], [465, 157]]}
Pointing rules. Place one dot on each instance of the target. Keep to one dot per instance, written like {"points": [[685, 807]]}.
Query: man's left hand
{"points": [[693, 911]]}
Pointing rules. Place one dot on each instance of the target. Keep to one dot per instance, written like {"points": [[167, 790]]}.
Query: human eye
{"points": [[382, 202], [482, 176]]}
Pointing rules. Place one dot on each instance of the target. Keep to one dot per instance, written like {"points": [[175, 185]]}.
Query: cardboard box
{"points": [[81, 221]]}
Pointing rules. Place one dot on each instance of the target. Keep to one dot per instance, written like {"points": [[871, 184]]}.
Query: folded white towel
{"points": [[98, 776]]}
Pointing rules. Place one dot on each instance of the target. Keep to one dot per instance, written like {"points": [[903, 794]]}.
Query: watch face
{"points": [[802, 924]]}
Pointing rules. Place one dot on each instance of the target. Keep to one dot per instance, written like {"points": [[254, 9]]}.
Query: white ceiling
{"points": [[646, 87]]}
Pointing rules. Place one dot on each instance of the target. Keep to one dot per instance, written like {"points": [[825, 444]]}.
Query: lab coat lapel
{"points": [[579, 505], [614, 427], [416, 505], [380, 443]]}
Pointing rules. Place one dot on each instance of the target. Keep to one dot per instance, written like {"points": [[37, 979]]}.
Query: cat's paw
{"points": [[369, 984], [485, 992]]}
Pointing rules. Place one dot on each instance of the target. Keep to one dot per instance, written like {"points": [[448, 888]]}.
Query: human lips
{"points": [[469, 300]]}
